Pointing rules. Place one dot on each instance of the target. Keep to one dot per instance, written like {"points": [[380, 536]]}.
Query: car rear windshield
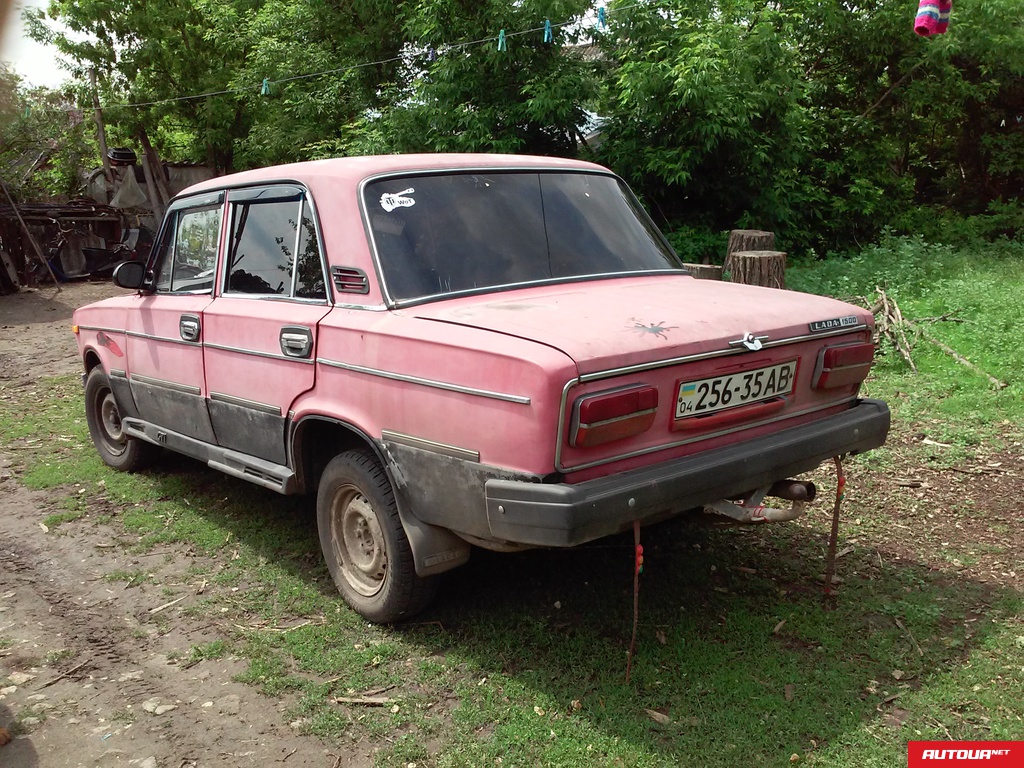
{"points": [[440, 234]]}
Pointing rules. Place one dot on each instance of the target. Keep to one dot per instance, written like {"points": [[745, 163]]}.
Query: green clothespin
{"points": [[548, 36], [265, 90], [502, 45]]}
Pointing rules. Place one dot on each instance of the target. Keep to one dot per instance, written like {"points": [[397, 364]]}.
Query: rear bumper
{"points": [[563, 515]]}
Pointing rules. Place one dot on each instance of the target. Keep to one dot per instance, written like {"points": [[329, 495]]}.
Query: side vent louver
{"points": [[350, 280]]}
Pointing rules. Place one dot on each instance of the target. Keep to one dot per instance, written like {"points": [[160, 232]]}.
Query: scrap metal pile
{"points": [[44, 241]]}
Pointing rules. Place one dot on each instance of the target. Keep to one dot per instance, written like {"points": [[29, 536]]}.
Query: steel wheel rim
{"points": [[110, 424], [358, 541]]}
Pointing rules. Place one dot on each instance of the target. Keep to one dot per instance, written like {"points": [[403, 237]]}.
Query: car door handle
{"points": [[296, 341], [189, 327]]}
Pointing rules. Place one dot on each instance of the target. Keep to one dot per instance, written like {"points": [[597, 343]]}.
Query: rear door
{"points": [[165, 353], [260, 331]]}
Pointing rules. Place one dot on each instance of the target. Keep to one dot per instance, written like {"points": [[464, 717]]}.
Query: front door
{"points": [[165, 353]]}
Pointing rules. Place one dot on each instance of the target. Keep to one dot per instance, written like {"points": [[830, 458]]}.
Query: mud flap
{"points": [[434, 549]]}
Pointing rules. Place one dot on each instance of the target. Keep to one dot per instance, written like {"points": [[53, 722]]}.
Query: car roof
{"points": [[353, 170]]}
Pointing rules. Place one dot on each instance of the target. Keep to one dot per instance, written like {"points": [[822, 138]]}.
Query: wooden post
{"points": [[155, 167], [101, 132], [750, 240], [767, 268], [154, 195]]}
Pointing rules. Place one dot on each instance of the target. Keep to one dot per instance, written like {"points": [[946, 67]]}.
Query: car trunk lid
{"points": [[626, 322]]}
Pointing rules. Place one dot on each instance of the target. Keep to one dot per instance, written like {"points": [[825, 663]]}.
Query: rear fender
{"points": [[434, 549]]}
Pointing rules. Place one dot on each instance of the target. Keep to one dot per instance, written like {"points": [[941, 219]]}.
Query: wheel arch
{"points": [[90, 359], [316, 439]]}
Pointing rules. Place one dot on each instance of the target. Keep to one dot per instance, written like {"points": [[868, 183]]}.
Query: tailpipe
{"points": [[793, 490], [752, 510]]}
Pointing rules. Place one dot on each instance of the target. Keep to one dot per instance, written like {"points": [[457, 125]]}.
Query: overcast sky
{"points": [[36, 63]]}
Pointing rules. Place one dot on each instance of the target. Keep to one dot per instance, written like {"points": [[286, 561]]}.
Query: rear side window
{"points": [[188, 253], [272, 248]]}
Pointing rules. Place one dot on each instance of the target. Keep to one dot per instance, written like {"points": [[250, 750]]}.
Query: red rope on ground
{"points": [[638, 567], [830, 562]]}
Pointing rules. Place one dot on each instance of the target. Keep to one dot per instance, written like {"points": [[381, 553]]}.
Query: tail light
{"points": [[842, 365], [604, 417]]}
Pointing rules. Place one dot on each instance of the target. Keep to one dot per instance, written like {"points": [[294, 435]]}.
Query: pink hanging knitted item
{"points": [[932, 17]]}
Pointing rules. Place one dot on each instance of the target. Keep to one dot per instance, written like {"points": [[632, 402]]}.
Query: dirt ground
{"points": [[92, 661]]}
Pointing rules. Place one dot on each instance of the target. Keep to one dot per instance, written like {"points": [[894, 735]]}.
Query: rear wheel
{"points": [[364, 543], [116, 448]]}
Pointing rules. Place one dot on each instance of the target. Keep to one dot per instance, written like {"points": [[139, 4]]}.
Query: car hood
{"points": [[621, 322]]}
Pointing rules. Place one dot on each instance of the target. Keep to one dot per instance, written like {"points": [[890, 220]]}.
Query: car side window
{"points": [[309, 278], [273, 248], [188, 257]]}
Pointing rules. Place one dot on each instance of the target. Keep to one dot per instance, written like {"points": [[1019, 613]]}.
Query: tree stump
{"points": [[767, 268], [749, 240], [704, 271]]}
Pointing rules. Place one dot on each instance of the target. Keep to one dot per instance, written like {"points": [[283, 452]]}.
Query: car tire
{"points": [[364, 543], [117, 449]]}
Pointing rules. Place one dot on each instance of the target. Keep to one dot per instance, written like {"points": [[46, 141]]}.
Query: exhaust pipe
{"points": [[753, 512], [793, 490]]}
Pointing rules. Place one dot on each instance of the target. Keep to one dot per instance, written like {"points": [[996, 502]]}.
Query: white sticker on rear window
{"points": [[390, 201]]}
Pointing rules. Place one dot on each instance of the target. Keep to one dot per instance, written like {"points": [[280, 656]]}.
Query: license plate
{"points": [[704, 396]]}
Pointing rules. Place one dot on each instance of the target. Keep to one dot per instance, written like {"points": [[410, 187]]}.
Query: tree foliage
{"points": [[44, 141], [823, 120]]}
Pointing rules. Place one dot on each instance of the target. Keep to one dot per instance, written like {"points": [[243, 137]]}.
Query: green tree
{"points": [[153, 53], [358, 46], [469, 95], [822, 120], [45, 146]]}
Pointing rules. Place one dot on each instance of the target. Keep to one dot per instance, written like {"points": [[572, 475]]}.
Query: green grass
{"points": [[522, 660], [980, 287]]}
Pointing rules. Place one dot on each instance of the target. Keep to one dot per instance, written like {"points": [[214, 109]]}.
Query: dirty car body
{"points": [[462, 349]]}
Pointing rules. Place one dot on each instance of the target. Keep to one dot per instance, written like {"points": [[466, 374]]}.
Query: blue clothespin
{"points": [[265, 90], [548, 36], [602, 21], [28, 110], [431, 54], [502, 45]]}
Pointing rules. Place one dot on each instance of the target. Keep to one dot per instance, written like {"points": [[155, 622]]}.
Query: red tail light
{"points": [[604, 417], [843, 365]]}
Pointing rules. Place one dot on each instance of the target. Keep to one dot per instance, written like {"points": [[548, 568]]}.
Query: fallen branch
{"points": [[167, 605], [892, 325], [962, 360], [911, 636], [366, 701], [60, 677]]}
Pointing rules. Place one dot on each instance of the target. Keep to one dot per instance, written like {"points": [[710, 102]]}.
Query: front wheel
{"points": [[364, 543], [117, 449]]}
